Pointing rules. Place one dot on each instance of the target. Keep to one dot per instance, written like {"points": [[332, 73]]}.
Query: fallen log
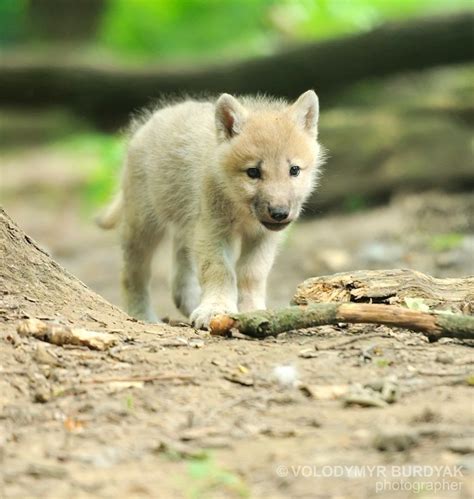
{"points": [[263, 323], [391, 287]]}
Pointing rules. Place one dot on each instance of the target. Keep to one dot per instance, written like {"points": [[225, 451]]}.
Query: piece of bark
{"points": [[64, 335], [263, 323], [388, 287]]}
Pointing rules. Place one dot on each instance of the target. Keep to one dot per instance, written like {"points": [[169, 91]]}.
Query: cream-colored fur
{"points": [[187, 169]]}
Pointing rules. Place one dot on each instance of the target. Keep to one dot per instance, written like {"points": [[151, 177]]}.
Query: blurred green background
{"points": [[190, 30], [186, 33]]}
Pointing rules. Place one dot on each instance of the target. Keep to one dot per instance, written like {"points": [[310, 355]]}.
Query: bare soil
{"points": [[171, 412]]}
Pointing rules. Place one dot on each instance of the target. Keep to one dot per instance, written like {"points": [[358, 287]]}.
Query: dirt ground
{"points": [[171, 412]]}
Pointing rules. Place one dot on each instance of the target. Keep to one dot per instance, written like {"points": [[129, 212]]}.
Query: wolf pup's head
{"points": [[268, 155]]}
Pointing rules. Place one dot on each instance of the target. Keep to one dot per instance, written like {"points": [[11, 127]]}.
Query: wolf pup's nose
{"points": [[278, 213]]}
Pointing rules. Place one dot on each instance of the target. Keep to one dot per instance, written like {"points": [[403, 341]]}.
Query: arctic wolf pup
{"points": [[226, 177]]}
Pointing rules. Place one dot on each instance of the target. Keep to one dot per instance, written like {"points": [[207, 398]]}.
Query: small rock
{"points": [[368, 352], [427, 415], [395, 439], [196, 343], [363, 396], [46, 471], [461, 446], [390, 392], [365, 400], [286, 375], [279, 432], [41, 396], [43, 355], [106, 458], [174, 342], [387, 387], [467, 463], [444, 358], [308, 353], [13, 337]]}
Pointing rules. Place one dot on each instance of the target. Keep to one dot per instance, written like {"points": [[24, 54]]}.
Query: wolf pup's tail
{"points": [[111, 215]]}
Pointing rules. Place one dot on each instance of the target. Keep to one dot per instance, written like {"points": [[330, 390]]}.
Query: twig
{"points": [[152, 377], [358, 337], [263, 323], [441, 373]]}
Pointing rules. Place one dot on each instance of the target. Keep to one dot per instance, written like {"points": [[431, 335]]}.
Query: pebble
{"points": [[196, 343], [395, 439], [444, 358], [44, 355], [461, 446]]}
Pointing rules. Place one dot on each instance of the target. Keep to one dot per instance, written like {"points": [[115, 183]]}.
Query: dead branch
{"points": [[145, 379], [388, 287], [263, 323], [58, 334]]}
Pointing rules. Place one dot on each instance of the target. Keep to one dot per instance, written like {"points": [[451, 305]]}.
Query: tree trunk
{"points": [[391, 287], [108, 95]]}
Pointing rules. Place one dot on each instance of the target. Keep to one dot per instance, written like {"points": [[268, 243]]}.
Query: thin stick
{"points": [[152, 377], [263, 323]]}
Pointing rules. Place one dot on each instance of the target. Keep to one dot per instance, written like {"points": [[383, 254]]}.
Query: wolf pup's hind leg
{"points": [[185, 283], [139, 241]]}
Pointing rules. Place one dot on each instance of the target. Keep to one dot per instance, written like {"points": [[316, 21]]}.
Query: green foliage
{"points": [[170, 28], [12, 20], [130, 404], [446, 242], [104, 154], [188, 29], [328, 18], [383, 363], [208, 477], [354, 203]]}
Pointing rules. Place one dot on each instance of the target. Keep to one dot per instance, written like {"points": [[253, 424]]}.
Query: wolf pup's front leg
{"points": [[256, 260], [216, 274]]}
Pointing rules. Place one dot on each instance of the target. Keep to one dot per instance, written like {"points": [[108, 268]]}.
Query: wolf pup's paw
{"points": [[201, 317]]}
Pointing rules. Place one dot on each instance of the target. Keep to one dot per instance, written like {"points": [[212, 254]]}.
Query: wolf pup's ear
{"points": [[230, 116], [306, 112]]}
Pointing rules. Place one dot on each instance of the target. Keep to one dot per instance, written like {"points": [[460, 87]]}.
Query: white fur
{"points": [[186, 171]]}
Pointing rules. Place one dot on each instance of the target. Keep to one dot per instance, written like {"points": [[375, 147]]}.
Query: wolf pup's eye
{"points": [[295, 171], [254, 172]]}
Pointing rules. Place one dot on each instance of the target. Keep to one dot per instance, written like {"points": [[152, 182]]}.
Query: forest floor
{"points": [[224, 421]]}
